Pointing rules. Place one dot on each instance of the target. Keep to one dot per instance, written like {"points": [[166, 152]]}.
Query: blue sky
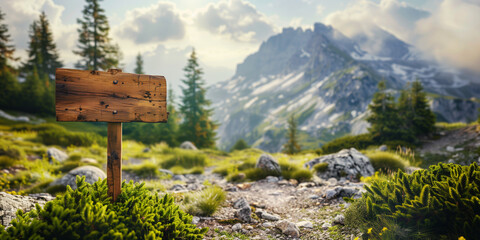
{"points": [[224, 32]]}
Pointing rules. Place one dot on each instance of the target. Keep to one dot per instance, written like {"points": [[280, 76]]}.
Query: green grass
{"points": [[320, 167], [205, 202], [185, 158], [450, 126], [386, 161], [145, 170]]}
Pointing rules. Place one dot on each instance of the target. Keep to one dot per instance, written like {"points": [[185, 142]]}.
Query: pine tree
{"points": [[291, 146], [34, 92], [196, 126], [94, 45], [386, 123], [414, 109], [139, 65], [9, 84], [240, 144], [42, 52]]}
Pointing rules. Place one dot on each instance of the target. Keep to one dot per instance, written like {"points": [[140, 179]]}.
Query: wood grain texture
{"points": [[96, 96], [114, 160]]}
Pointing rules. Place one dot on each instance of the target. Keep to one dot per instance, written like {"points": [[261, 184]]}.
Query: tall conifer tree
{"points": [[139, 65], [8, 82], [95, 47], [414, 109], [196, 125], [291, 146]]}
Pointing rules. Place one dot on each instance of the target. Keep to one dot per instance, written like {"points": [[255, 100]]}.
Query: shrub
{"points": [[88, 213], [386, 161], [239, 145], [37, 128], [255, 174], [359, 142], [302, 175], [11, 151], [288, 169], [6, 161], [67, 166], [205, 202], [437, 203], [236, 177], [320, 167], [185, 159], [65, 138], [144, 170]]}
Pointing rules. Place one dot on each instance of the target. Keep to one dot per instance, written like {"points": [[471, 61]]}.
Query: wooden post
{"points": [[114, 160]]}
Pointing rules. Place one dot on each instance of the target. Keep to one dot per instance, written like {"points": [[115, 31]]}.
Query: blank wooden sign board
{"points": [[113, 97]]}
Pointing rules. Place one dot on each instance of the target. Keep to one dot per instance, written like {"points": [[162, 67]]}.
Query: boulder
{"points": [[244, 212], [57, 154], [237, 227], [267, 216], [268, 163], [9, 204], [188, 145], [91, 173], [339, 219], [383, 148], [348, 163], [304, 224], [288, 228]]}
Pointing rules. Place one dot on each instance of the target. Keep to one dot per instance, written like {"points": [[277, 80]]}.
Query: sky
{"points": [[225, 32]]}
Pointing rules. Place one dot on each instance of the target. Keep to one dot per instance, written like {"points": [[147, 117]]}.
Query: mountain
{"points": [[327, 80]]}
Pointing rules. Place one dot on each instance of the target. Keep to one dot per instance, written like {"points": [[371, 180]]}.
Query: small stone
{"points": [[57, 154], [313, 197], [240, 203], [339, 219], [244, 186], [294, 182], [450, 149], [237, 227], [178, 188], [231, 189], [283, 182], [145, 150], [383, 148], [326, 225], [249, 227], [272, 179], [188, 145], [304, 224], [195, 220], [332, 181], [165, 172], [268, 163], [244, 214], [330, 194], [306, 185], [179, 178], [451, 161], [288, 228], [267, 216], [267, 224]]}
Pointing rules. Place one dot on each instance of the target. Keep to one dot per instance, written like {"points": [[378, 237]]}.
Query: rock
{"points": [[313, 197], [9, 204], [304, 224], [89, 161], [332, 181], [249, 227], [267, 224], [450, 149], [166, 172], [268, 163], [306, 185], [272, 179], [237, 227], [57, 154], [331, 194], [240, 203], [288, 228], [283, 182], [451, 161], [179, 178], [195, 220], [348, 163], [145, 150], [383, 148], [294, 182], [348, 191], [326, 225], [267, 216], [411, 169], [178, 188], [339, 219], [188, 145], [231, 188], [91, 173]]}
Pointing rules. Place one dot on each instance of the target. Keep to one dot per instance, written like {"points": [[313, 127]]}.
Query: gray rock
{"points": [[326, 225], [348, 191], [313, 197], [179, 178], [331, 194], [268, 163], [272, 179], [306, 185], [178, 188], [383, 148], [267, 216], [304, 224], [91, 173], [231, 188], [332, 181], [244, 214], [450, 149], [57, 154], [267, 224], [145, 150], [411, 169], [195, 220], [237, 227], [166, 172], [288, 228], [339, 219], [240, 203], [89, 161], [9, 204], [188, 145], [348, 163]]}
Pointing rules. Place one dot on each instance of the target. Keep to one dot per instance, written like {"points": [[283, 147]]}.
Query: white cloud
{"points": [[320, 9], [452, 35], [236, 19], [156, 23]]}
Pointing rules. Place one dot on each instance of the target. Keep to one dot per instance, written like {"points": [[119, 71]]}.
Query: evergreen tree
{"points": [[34, 92], [9, 84], [291, 146], [196, 125], [94, 45], [414, 109], [42, 52], [386, 123], [139, 65], [239, 145]]}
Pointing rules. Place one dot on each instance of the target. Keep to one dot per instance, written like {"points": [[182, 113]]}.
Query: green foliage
{"points": [[240, 144], [11, 151], [197, 126], [95, 49], [415, 111], [6, 161], [437, 203], [387, 161], [144, 170], [6, 50], [139, 65], [302, 175], [359, 142], [88, 213], [65, 138], [256, 174], [291, 146], [450, 126], [205, 202], [320, 167], [185, 159]]}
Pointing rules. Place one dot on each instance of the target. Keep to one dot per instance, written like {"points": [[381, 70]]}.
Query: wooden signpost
{"points": [[113, 97]]}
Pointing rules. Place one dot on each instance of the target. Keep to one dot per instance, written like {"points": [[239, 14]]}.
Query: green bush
{"points": [[302, 175], [185, 159], [88, 213], [239, 145], [37, 128], [236, 177], [320, 167], [65, 138], [205, 202], [387, 161], [6, 161], [437, 203], [144, 170], [359, 142], [12, 151], [256, 174]]}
